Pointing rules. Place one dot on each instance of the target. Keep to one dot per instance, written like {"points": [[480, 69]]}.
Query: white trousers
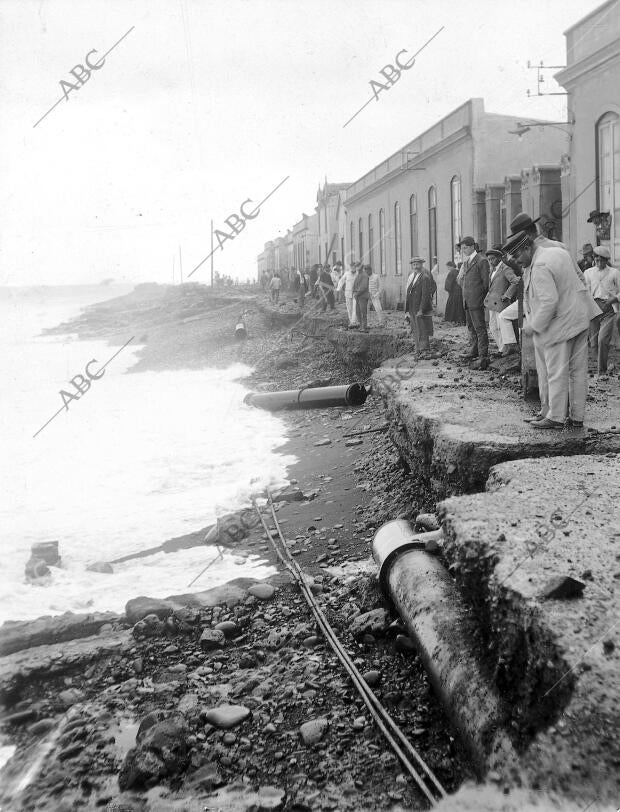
{"points": [[563, 377], [376, 303], [501, 330], [504, 325], [351, 311]]}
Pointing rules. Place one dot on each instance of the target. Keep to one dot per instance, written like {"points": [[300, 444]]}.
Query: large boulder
{"points": [[161, 752], [138, 608], [375, 622]]}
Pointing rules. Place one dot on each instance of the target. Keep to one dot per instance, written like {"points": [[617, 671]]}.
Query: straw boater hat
{"points": [[416, 259]]}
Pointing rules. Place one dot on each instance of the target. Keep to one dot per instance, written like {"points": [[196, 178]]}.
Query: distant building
{"points": [[591, 169], [330, 221], [460, 177], [305, 242]]}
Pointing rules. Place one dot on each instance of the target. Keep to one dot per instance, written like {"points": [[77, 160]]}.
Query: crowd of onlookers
{"points": [[530, 289]]}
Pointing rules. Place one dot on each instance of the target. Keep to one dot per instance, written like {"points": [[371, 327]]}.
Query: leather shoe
{"points": [[545, 423], [537, 416], [469, 356], [574, 424], [483, 363]]}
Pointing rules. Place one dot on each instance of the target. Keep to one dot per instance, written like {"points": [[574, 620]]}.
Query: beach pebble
{"points": [[226, 716], [211, 638], [313, 731], [372, 678], [263, 592], [229, 627]]}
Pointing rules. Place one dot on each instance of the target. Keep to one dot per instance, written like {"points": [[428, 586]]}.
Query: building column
{"points": [[493, 200], [546, 190], [512, 199], [480, 218]]}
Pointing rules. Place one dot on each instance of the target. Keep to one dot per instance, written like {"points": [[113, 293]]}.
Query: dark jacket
{"points": [[502, 288], [475, 282], [419, 297], [360, 285]]}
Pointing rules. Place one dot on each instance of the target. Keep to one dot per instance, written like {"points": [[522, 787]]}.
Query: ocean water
{"points": [[138, 459]]}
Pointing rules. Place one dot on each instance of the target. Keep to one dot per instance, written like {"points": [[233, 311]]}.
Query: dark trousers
{"points": [[361, 307], [478, 336]]}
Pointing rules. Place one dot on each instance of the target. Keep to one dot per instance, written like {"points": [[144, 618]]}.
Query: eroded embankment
{"points": [[549, 511]]}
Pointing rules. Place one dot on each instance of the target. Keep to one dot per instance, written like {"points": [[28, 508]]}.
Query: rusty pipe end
{"points": [[392, 539]]}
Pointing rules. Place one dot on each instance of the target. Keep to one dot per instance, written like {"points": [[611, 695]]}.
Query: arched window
{"points": [[413, 225], [432, 223], [371, 241], [608, 142], [381, 243], [360, 233], [398, 259], [456, 209]]}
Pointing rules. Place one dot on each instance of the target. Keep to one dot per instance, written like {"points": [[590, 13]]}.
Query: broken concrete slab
{"points": [[452, 429], [537, 519]]}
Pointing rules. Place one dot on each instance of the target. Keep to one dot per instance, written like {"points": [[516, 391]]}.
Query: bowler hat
{"points": [[450, 264], [467, 241], [587, 248], [602, 251], [496, 251], [516, 242], [521, 222], [596, 214]]}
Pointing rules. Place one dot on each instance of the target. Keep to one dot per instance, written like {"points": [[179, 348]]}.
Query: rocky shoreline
{"points": [[230, 699], [290, 732]]}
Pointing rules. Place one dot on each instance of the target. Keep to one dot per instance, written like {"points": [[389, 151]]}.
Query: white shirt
{"points": [[346, 282], [603, 284]]}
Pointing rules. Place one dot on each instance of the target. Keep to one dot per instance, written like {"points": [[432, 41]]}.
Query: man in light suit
{"points": [[503, 284], [558, 308]]}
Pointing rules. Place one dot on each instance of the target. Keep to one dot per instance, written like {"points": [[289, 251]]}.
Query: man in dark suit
{"points": [[419, 303], [503, 284], [474, 280]]}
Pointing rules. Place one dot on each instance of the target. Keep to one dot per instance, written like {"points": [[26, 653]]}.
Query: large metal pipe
{"points": [[441, 625], [319, 397]]}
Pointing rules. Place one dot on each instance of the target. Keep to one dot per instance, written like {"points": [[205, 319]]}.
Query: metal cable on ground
{"points": [[381, 717]]}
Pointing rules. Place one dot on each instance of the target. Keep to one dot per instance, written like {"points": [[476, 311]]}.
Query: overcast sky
{"points": [[206, 103]]}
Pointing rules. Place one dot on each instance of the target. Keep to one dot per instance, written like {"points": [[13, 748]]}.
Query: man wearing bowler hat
{"points": [[419, 303], [474, 281], [503, 284], [558, 308]]}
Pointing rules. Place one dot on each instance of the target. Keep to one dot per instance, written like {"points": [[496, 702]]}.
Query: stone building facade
{"points": [[591, 166]]}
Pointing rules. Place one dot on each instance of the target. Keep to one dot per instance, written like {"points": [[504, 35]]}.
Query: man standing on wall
{"points": [[346, 282], [474, 281], [558, 309], [603, 281], [361, 295], [419, 303], [503, 284]]}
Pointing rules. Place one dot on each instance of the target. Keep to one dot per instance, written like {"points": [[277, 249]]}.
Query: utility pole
{"points": [[211, 254], [173, 261], [181, 264]]}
